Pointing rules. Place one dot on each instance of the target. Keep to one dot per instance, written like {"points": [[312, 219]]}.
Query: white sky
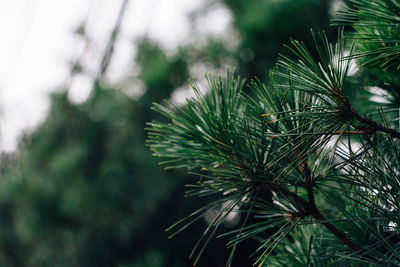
{"points": [[37, 42]]}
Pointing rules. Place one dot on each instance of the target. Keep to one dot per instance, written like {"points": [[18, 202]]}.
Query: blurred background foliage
{"points": [[83, 188]]}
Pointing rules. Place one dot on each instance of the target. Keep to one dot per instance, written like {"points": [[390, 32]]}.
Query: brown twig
{"points": [[373, 126], [309, 208]]}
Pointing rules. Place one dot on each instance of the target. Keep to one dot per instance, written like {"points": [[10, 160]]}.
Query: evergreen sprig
{"points": [[312, 177]]}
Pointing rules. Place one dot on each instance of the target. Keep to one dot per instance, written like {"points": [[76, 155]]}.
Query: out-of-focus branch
{"points": [[105, 61]]}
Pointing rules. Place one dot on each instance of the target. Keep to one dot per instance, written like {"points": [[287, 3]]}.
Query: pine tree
{"points": [[313, 175]]}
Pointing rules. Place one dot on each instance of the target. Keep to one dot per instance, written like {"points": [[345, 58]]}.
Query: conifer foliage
{"points": [[314, 181]]}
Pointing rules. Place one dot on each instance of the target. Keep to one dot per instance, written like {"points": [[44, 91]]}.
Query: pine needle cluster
{"points": [[314, 181]]}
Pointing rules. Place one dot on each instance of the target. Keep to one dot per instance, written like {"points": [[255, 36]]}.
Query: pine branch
{"points": [[373, 126], [309, 208], [316, 214], [277, 140]]}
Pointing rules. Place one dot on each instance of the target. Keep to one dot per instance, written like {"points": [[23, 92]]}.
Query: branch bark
{"points": [[373, 126], [309, 208]]}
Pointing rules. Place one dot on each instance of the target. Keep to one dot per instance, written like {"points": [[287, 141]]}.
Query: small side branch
{"points": [[316, 214], [373, 126], [309, 208], [312, 210]]}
